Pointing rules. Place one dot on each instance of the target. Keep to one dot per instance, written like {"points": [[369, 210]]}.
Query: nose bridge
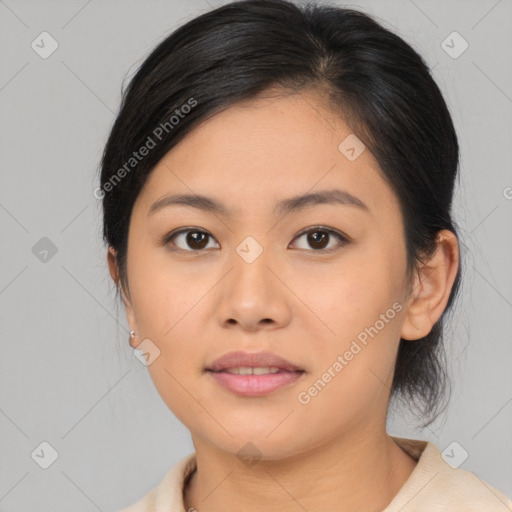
{"points": [[251, 293], [251, 261], [251, 250]]}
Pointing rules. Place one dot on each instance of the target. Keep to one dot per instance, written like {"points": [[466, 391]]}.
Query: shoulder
{"points": [[435, 485], [168, 494], [464, 488]]}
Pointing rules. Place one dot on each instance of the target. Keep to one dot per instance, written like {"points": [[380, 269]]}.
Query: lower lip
{"points": [[255, 385]]}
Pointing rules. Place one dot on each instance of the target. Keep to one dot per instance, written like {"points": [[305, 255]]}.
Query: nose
{"points": [[253, 295]]}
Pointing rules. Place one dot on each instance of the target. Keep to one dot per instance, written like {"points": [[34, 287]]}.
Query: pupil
{"points": [[315, 239], [192, 239]]}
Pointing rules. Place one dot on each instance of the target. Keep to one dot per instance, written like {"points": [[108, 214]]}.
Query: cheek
{"points": [[165, 295], [359, 310], [353, 374], [351, 294]]}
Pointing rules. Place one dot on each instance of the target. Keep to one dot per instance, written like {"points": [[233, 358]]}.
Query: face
{"points": [[319, 283]]}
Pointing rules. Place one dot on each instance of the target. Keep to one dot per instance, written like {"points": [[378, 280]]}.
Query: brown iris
{"points": [[317, 238], [197, 239]]}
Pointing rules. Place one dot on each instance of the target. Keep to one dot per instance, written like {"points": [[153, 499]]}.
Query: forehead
{"points": [[268, 149]]}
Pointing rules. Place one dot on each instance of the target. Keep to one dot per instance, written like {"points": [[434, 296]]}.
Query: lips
{"points": [[240, 359], [254, 374]]}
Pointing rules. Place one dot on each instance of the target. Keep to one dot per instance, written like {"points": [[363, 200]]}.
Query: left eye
{"points": [[194, 238], [319, 236]]}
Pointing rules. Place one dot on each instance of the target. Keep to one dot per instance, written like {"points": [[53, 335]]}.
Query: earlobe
{"points": [[432, 288], [134, 333], [114, 272], [133, 339]]}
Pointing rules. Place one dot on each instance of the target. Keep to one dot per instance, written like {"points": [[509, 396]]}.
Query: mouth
{"points": [[253, 374], [259, 381], [240, 361], [253, 370]]}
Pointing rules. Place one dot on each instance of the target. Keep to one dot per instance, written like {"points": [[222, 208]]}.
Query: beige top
{"points": [[433, 486]]}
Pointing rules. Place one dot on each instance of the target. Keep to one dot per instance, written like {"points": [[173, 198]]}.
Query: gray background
{"points": [[67, 374]]}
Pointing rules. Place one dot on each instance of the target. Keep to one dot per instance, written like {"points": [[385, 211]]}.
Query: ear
{"points": [[113, 268], [433, 284]]}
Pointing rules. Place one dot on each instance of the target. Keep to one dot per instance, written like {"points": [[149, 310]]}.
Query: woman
{"points": [[277, 193]]}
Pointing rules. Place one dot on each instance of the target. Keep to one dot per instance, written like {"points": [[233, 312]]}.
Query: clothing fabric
{"points": [[433, 486]]}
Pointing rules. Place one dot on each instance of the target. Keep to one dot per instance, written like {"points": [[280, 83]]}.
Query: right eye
{"points": [[195, 239]]}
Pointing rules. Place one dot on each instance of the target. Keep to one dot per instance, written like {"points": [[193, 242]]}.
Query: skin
{"points": [[304, 304]]}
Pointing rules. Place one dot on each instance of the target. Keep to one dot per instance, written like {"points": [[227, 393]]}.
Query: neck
{"points": [[347, 474]]}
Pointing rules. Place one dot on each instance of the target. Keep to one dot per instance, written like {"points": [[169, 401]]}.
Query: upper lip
{"points": [[255, 359]]}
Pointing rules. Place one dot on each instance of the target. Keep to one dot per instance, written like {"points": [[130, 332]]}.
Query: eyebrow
{"points": [[283, 207]]}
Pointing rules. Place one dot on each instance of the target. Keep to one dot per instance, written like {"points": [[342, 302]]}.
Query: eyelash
{"points": [[323, 229]]}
